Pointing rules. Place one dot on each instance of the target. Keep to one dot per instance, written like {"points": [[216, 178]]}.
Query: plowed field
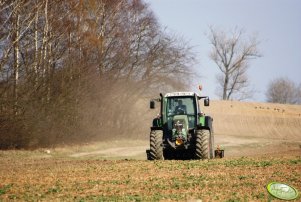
{"points": [[262, 144], [35, 177]]}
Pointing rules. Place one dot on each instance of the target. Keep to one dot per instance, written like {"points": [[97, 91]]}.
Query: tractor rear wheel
{"points": [[156, 147], [211, 149], [203, 146]]}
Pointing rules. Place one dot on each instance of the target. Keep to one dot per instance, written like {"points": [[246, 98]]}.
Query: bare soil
{"points": [[30, 176]]}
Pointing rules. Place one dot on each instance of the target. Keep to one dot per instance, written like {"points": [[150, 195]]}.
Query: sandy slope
{"points": [[256, 128], [262, 120]]}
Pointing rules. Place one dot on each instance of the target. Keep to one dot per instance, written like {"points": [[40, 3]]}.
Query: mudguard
{"points": [[205, 122], [157, 124]]}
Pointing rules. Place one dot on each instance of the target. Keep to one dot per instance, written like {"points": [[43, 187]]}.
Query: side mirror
{"points": [[152, 104], [206, 102], [201, 114]]}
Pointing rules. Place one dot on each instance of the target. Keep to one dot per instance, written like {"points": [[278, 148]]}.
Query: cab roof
{"points": [[175, 94]]}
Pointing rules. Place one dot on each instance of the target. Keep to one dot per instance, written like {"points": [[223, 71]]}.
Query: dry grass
{"points": [[32, 176]]}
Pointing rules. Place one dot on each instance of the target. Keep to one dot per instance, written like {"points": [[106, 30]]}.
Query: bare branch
{"points": [[232, 53]]}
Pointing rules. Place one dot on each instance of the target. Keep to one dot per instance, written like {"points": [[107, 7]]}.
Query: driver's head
{"points": [[180, 102]]}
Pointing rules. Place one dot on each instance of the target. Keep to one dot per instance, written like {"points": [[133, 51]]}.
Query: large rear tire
{"points": [[211, 145], [156, 147], [204, 145]]}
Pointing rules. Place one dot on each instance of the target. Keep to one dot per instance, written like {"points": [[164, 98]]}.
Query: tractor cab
{"points": [[180, 108]]}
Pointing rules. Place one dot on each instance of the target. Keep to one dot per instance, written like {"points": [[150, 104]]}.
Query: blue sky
{"points": [[277, 23]]}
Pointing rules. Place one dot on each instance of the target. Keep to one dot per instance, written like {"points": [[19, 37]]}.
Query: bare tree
{"points": [[232, 52], [284, 91]]}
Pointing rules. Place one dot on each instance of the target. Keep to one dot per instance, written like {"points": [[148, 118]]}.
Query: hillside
{"points": [[263, 120], [256, 128]]}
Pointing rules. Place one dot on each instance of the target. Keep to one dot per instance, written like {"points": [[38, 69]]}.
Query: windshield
{"points": [[181, 106]]}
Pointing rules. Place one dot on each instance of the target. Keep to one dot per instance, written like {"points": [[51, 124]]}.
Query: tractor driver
{"points": [[180, 109]]}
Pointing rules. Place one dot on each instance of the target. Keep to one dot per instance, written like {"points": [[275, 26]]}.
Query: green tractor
{"points": [[181, 130]]}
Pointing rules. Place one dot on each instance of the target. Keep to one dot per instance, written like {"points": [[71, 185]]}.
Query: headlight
{"points": [[179, 142]]}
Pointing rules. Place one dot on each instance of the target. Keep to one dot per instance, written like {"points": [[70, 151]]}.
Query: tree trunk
{"points": [[44, 50], [16, 58], [225, 87], [36, 38], [36, 41]]}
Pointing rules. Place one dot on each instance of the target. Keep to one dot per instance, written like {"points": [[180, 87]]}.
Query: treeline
{"points": [[74, 70]]}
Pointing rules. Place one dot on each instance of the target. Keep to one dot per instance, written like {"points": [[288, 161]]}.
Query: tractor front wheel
{"points": [[204, 144], [156, 147]]}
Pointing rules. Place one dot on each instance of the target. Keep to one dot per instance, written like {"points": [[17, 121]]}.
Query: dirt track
{"points": [[115, 152]]}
